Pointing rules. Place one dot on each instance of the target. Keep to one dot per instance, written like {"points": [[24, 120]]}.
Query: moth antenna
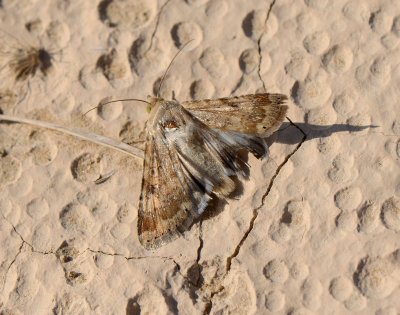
{"points": [[114, 101], [169, 66]]}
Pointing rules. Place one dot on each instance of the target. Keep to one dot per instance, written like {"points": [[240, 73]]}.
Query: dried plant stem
{"points": [[82, 134]]}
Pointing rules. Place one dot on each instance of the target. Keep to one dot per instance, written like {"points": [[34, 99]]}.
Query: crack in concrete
{"points": [[193, 274], [133, 257], [33, 250], [156, 27], [254, 217], [271, 183], [51, 252], [178, 267], [16, 256], [11, 264], [87, 249], [201, 242], [23, 242], [209, 304], [259, 44]]}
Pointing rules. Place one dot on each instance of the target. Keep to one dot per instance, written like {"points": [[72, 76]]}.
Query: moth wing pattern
{"points": [[168, 196], [256, 114]]}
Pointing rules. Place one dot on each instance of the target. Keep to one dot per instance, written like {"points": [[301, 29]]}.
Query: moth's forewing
{"points": [[255, 114], [170, 197], [164, 206]]}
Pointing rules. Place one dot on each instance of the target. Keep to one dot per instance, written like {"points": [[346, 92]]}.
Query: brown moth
{"points": [[191, 155]]}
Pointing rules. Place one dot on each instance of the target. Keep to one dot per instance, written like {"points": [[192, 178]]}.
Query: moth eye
{"points": [[170, 124]]}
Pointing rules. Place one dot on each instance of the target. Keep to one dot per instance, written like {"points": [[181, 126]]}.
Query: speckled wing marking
{"points": [[165, 206], [256, 114]]}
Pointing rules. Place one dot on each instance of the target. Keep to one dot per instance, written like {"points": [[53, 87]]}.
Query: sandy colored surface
{"points": [[317, 228]]}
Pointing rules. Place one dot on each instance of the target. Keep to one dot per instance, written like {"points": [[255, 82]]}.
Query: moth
{"points": [[191, 155]]}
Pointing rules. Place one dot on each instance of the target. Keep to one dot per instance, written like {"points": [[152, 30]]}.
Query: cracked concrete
{"points": [[259, 44], [160, 11], [11, 264], [197, 284], [56, 254], [264, 251]]}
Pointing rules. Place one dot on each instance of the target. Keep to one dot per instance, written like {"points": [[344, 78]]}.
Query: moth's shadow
{"points": [[214, 208], [287, 135]]}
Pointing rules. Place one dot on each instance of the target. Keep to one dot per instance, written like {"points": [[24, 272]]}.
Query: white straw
{"points": [[85, 135]]}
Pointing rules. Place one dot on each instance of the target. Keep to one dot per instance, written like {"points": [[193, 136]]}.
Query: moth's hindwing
{"points": [[256, 114]]}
